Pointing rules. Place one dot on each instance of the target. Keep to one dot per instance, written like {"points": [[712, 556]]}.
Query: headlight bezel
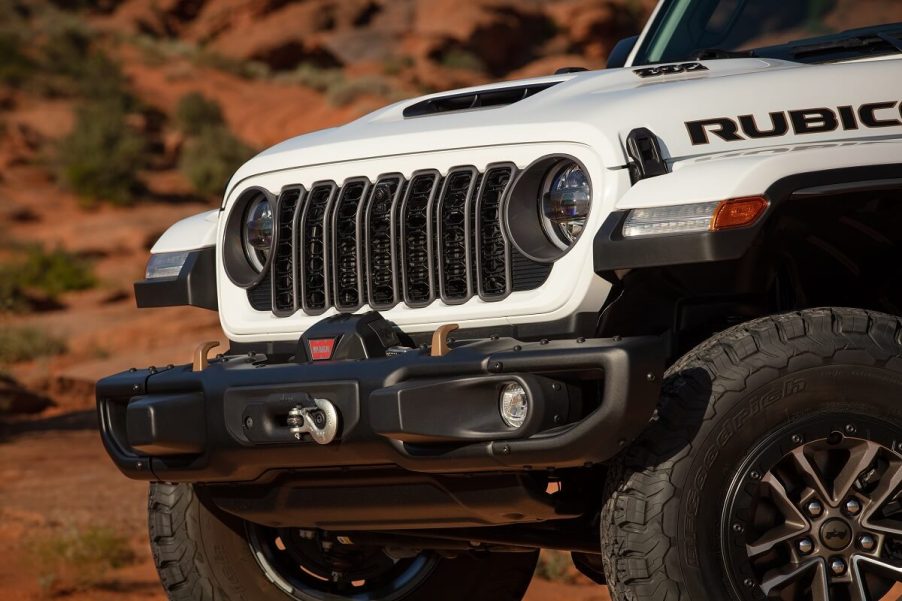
{"points": [[524, 219], [239, 266]]}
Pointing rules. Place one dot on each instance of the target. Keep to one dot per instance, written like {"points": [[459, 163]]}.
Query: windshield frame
{"points": [[652, 34]]}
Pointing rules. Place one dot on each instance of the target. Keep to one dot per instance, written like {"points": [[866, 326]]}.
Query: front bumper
{"points": [[227, 423]]}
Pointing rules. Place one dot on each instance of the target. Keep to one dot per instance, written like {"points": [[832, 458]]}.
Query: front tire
{"points": [[772, 469], [204, 555]]}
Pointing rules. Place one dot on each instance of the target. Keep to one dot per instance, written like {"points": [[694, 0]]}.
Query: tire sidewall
{"points": [[744, 419]]}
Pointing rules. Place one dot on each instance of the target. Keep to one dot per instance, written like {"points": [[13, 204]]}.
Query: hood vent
{"points": [[475, 100]]}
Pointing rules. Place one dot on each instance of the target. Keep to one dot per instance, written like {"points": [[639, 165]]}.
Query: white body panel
{"points": [[561, 296], [736, 175], [197, 231], [587, 115]]}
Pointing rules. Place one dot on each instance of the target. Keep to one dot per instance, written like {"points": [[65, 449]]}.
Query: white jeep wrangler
{"points": [[647, 315]]}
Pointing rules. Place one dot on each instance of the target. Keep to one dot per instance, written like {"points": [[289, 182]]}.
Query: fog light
{"points": [[514, 405]]}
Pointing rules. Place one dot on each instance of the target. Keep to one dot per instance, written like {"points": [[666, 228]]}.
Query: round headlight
{"points": [[257, 233], [566, 200], [514, 405]]}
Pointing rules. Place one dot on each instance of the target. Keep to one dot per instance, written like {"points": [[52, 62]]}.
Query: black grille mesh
{"points": [[416, 239], [454, 236], [313, 245], [283, 265], [382, 247], [346, 225], [395, 241], [492, 248]]}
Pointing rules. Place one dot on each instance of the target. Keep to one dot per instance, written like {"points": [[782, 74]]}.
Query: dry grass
{"points": [[77, 559], [556, 566]]}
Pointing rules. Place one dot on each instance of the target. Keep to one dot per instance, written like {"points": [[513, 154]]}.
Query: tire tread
{"points": [[641, 559]]}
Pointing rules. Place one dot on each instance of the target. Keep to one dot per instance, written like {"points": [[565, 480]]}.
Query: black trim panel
{"points": [[613, 251], [195, 285]]}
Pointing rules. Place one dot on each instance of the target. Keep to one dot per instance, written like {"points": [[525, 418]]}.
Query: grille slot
{"points": [[416, 239], [347, 225], [382, 242], [284, 285], [393, 241], [454, 207], [492, 248], [313, 247]]}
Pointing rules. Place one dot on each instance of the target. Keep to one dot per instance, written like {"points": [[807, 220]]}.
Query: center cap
{"points": [[836, 534]]}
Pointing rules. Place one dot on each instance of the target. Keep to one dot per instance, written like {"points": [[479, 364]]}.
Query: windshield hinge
{"points": [[645, 155]]}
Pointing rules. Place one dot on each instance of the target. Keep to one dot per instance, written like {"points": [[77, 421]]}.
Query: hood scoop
{"points": [[475, 100]]}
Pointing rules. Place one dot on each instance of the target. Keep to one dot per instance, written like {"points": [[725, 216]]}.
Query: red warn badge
{"points": [[321, 349]]}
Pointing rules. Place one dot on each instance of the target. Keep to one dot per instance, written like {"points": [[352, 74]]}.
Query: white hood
{"points": [[599, 108]]}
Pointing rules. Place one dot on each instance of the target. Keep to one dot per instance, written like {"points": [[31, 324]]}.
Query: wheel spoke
{"points": [[862, 456], [820, 588], [794, 524], [810, 475], [777, 579], [888, 487], [862, 564]]}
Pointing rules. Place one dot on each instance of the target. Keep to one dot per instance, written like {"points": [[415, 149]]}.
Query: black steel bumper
{"points": [[414, 411]]}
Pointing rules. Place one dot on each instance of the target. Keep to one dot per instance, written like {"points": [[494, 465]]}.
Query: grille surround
{"points": [[396, 240]]}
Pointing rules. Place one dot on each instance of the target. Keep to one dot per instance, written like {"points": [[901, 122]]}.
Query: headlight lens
{"points": [[257, 233], [566, 200]]}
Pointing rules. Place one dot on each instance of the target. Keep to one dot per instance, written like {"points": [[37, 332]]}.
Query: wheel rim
{"points": [[815, 513], [308, 568]]}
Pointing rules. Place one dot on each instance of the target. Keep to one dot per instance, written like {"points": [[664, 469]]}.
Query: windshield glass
{"points": [[684, 29]]}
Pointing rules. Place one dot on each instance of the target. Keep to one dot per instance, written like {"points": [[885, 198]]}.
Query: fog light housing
{"points": [[514, 405]]}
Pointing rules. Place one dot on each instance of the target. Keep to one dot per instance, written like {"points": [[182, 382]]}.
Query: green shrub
{"points": [[350, 90], [210, 159], [48, 274], [101, 158], [196, 113], [556, 566], [311, 76], [15, 67], [457, 58], [78, 558], [55, 272], [26, 344], [237, 67], [395, 65]]}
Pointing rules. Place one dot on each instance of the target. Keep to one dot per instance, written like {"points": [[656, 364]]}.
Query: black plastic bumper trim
{"points": [[628, 372], [194, 286]]}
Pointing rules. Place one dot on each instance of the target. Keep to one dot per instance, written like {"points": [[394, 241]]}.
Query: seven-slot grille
{"points": [[395, 241]]}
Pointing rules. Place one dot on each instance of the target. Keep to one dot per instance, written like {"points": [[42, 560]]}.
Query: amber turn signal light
{"points": [[738, 212]]}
